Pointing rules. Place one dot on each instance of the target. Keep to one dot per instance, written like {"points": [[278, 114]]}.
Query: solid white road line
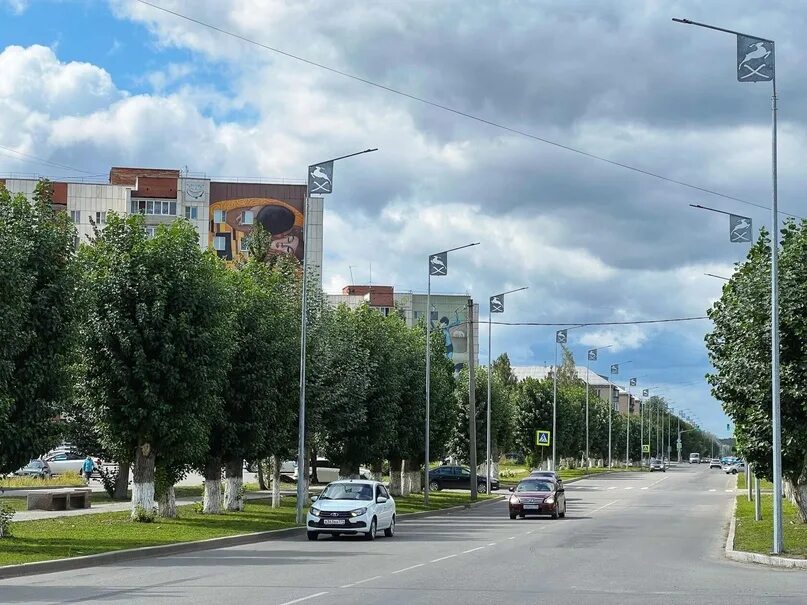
{"points": [[300, 600], [712, 490], [629, 487], [472, 549], [408, 568], [605, 506], [442, 558]]}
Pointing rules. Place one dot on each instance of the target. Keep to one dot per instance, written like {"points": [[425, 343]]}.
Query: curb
{"points": [[131, 554], [754, 557]]}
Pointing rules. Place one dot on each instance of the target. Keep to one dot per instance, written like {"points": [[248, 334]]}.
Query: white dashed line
{"points": [[712, 490], [465, 552], [312, 596], [408, 568], [629, 487], [442, 559], [612, 487], [605, 506], [645, 488], [494, 544], [367, 580], [511, 538], [729, 491]]}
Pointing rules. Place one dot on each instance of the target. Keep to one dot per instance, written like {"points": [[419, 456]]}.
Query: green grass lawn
{"points": [[66, 480], [763, 483], [756, 536], [103, 532], [511, 475]]}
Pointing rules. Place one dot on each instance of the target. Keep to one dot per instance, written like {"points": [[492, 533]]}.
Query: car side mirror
{"points": [[314, 498], [381, 500], [512, 489], [561, 491]]}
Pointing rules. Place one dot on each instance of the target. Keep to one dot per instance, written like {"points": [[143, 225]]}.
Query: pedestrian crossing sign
{"points": [[646, 448], [543, 438]]}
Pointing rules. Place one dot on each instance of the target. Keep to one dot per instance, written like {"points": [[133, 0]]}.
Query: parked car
{"points": [[70, 462], [35, 468], [458, 477], [551, 474], [657, 465], [694, 458], [715, 463], [327, 471], [537, 496], [352, 507], [733, 469]]}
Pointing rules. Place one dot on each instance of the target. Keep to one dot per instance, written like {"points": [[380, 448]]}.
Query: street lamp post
{"points": [[496, 306], [631, 383], [758, 65], [614, 372], [438, 267], [319, 180], [591, 356]]}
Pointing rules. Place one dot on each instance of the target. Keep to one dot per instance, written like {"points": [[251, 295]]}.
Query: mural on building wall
{"points": [[235, 208], [455, 331]]}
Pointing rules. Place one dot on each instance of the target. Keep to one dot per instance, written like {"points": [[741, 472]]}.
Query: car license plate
{"points": [[532, 507], [333, 521]]}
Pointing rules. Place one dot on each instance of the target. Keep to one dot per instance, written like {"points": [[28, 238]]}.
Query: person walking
{"points": [[88, 468]]}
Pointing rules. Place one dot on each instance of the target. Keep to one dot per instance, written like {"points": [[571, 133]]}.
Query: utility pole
{"points": [[472, 397]]}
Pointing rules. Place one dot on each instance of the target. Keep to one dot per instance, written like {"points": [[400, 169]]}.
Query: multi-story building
{"points": [[223, 212], [449, 313]]}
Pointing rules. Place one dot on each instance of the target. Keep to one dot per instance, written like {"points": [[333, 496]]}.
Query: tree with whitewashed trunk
{"points": [[153, 343]]}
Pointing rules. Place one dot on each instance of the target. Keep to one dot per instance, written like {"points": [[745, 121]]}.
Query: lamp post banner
{"points": [[615, 368], [497, 303], [592, 355], [438, 264], [646, 393], [755, 59], [560, 337], [320, 178], [633, 382], [739, 229]]}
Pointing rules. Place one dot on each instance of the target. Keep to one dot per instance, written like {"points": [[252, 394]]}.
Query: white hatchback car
{"points": [[352, 506]]}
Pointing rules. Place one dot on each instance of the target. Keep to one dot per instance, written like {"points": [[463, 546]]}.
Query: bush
{"points": [[110, 479], [6, 514], [142, 515]]}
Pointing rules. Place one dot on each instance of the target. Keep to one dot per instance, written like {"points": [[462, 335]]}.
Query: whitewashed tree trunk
{"points": [[395, 477], [234, 486], [406, 478], [167, 504], [798, 495], [276, 481], [143, 481], [212, 496]]}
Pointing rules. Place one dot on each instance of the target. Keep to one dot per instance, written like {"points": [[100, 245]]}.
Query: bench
{"points": [[58, 499]]}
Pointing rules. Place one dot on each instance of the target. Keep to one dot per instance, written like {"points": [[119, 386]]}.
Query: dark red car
{"points": [[537, 496]]}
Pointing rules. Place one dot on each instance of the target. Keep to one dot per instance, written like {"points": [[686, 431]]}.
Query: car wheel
{"points": [[563, 514], [370, 535], [555, 514], [434, 486], [390, 531], [482, 488], [313, 535], [513, 515]]}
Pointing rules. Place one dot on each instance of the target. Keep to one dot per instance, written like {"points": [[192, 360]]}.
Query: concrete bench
{"points": [[61, 499]]}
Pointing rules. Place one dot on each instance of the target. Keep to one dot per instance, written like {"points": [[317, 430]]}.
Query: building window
{"points": [[220, 216], [75, 216], [219, 243], [191, 213], [244, 244], [418, 315], [100, 218], [154, 207], [150, 231], [247, 217]]}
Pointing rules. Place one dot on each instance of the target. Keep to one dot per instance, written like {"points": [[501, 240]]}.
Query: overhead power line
{"points": [[33, 158], [458, 112], [582, 324]]}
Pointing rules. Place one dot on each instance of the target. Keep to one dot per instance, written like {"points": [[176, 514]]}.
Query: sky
{"points": [[88, 84]]}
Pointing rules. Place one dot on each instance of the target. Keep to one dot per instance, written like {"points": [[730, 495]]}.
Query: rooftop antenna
{"points": [[352, 283]]}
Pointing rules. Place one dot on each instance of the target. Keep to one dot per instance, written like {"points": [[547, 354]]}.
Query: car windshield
{"points": [[535, 486], [34, 464], [347, 491]]}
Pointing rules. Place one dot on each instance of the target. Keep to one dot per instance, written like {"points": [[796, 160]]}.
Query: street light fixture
{"points": [[437, 266], [590, 356], [561, 337], [319, 180], [759, 65], [496, 306]]}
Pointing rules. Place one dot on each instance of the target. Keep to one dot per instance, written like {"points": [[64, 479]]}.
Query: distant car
{"points": [[352, 507], [715, 463], [35, 468], [71, 462], [551, 474], [694, 458], [537, 496], [458, 477], [733, 469], [327, 471], [657, 465]]}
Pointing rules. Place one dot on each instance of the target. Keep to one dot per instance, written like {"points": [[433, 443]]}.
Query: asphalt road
{"points": [[628, 538]]}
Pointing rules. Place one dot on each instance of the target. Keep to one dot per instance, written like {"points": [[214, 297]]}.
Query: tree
{"points": [[154, 342], [533, 412], [36, 312], [739, 349]]}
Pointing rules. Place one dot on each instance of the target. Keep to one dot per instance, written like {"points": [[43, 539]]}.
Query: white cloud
{"points": [[16, 7]]}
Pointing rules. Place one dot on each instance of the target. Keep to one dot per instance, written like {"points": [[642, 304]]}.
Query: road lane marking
{"points": [[612, 487], [494, 544], [629, 487], [645, 488], [712, 490], [511, 538], [361, 582], [465, 552], [441, 559], [728, 491], [657, 482], [408, 568], [311, 596], [605, 506]]}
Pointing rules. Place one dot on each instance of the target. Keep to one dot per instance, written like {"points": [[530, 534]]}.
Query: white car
{"points": [[327, 471], [69, 462], [733, 469], [352, 507]]}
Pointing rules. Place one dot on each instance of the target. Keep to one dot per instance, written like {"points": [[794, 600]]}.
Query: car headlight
{"points": [[550, 500], [315, 511], [514, 500], [358, 512]]}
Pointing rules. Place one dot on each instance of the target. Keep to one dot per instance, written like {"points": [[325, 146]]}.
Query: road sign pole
{"points": [[472, 397], [428, 383], [555, 405], [588, 388]]}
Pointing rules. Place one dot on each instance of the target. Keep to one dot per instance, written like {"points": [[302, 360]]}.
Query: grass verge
{"points": [[763, 483], [756, 536], [66, 480], [63, 537], [512, 475]]}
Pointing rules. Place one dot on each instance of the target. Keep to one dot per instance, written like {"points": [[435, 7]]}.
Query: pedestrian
{"points": [[88, 468]]}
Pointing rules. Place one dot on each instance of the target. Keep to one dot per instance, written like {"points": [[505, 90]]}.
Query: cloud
{"points": [[15, 7]]}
